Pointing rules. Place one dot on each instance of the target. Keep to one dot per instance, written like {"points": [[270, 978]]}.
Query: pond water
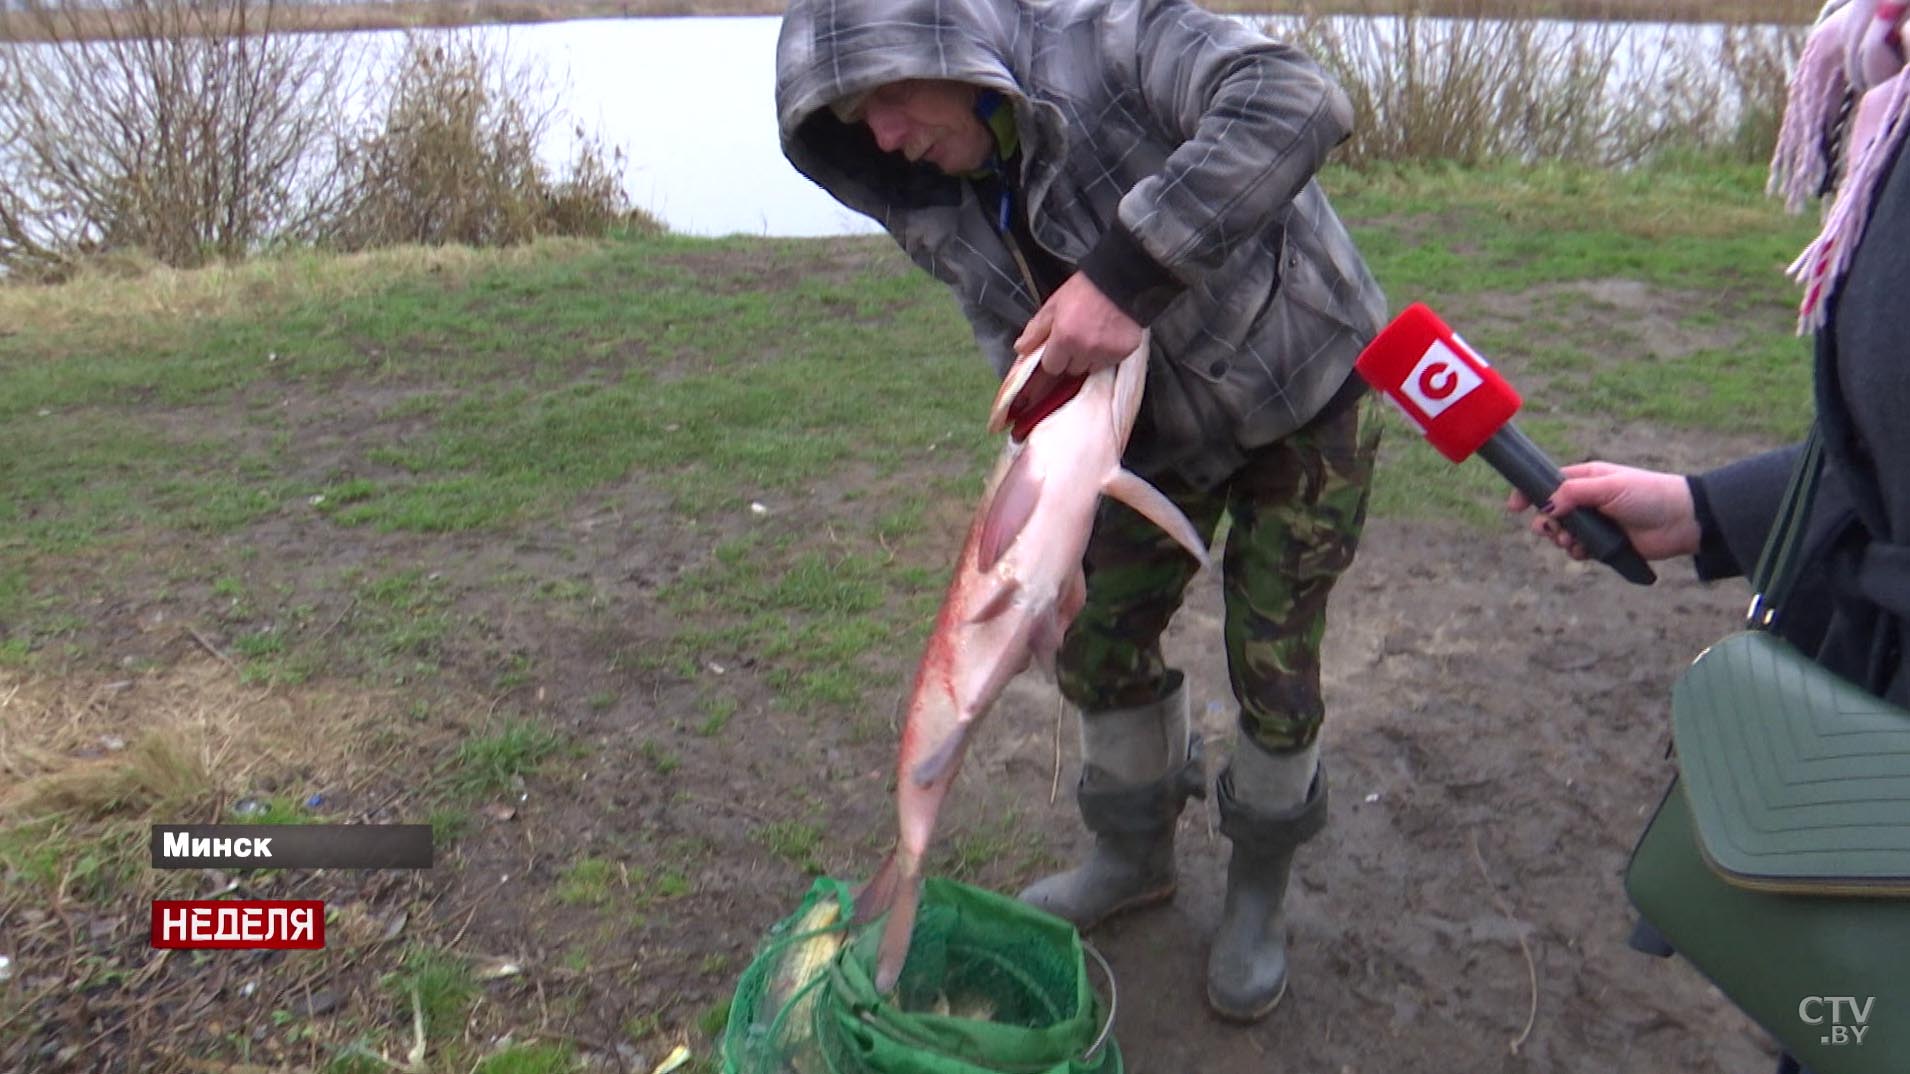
{"points": [[692, 102]]}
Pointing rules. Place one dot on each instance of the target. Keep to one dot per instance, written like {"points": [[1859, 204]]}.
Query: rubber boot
{"points": [[1138, 768], [1270, 803]]}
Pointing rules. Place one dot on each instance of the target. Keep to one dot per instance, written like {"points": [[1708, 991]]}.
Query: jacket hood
{"points": [[830, 49]]}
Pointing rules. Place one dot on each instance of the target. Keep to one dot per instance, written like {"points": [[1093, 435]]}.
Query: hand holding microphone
{"points": [[1654, 509], [1464, 407]]}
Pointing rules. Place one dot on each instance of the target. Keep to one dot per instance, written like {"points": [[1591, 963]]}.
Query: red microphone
{"points": [[1464, 407]]}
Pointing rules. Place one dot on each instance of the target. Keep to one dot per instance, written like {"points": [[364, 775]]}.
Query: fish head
{"points": [[1011, 386], [1121, 382]]}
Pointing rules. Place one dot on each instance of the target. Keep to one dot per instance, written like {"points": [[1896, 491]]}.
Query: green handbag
{"points": [[1777, 861]]}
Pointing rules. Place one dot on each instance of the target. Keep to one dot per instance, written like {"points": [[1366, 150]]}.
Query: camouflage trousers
{"points": [[1296, 509]]}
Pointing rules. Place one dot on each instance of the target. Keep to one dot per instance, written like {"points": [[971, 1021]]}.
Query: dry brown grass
{"points": [[89, 763], [122, 301], [174, 745], [404, 14]]}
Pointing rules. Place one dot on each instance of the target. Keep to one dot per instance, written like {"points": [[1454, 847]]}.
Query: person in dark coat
{"points": [[1850, 607], [1850, 604]]}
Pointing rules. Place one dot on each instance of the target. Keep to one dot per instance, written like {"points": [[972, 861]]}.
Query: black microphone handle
{"points": [[1526, 466]]}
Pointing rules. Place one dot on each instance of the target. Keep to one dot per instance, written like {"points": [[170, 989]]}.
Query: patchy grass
{"points": [[717, 709], [487, 392], [794, 841], [448, 825], [63, 862], [491, 763], [1704, 236], [1435, 232], [433, 988], [273, 809], [83, 772], [1761, 387], [812, 614], [661, 760], [966, 854], [714, 1019], [587, 882], [529, 1059]]}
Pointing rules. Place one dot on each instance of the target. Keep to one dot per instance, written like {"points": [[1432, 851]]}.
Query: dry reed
{"points": [[417, 14], [1475, 88], [454, 158]]}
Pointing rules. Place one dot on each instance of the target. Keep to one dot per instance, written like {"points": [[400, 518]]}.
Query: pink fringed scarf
{"points": [[1855, 54]]}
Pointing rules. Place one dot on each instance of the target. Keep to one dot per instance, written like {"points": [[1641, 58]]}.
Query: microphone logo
{"points": [[1441, 379]]}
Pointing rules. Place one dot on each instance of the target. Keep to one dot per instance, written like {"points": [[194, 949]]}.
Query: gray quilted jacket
{"points": [[1150, 129]]}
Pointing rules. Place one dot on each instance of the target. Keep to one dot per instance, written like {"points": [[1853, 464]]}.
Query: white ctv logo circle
{"points": [[1441, 379]]}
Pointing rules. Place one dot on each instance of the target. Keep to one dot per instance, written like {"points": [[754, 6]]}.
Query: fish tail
{"points": [[896, 934]]}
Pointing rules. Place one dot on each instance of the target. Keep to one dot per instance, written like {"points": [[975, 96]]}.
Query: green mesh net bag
{"points": [[992, 986]]}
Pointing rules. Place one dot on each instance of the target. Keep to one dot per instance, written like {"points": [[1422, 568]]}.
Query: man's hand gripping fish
{"points": [[1016, 588]]}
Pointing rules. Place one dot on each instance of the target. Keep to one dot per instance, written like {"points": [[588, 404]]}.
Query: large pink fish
{"points": [[1016, 588]]}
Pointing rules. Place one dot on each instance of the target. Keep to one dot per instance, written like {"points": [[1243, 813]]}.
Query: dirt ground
{"points": [[1495, 740], [1496, 737]]}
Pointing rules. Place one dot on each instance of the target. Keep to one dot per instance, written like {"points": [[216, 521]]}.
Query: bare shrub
{"points": [[589, 199], [1493, 82], [183, 131], [1416, 94], [454, 157], [181, 128]]}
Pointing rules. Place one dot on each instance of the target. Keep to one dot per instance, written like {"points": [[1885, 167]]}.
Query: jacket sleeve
{"points": [[1736, 505], [1256, 119]]}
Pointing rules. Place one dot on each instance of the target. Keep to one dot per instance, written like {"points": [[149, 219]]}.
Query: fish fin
{"points": [[1011, 385], [1008, 512], [1074, 597], [1052, 629], [878, 895], [944, 758], [1045, 640], [1044, 658], [1134, 491], [1000, 596], [893, 952], [1130, 382], [1011, 659]]}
